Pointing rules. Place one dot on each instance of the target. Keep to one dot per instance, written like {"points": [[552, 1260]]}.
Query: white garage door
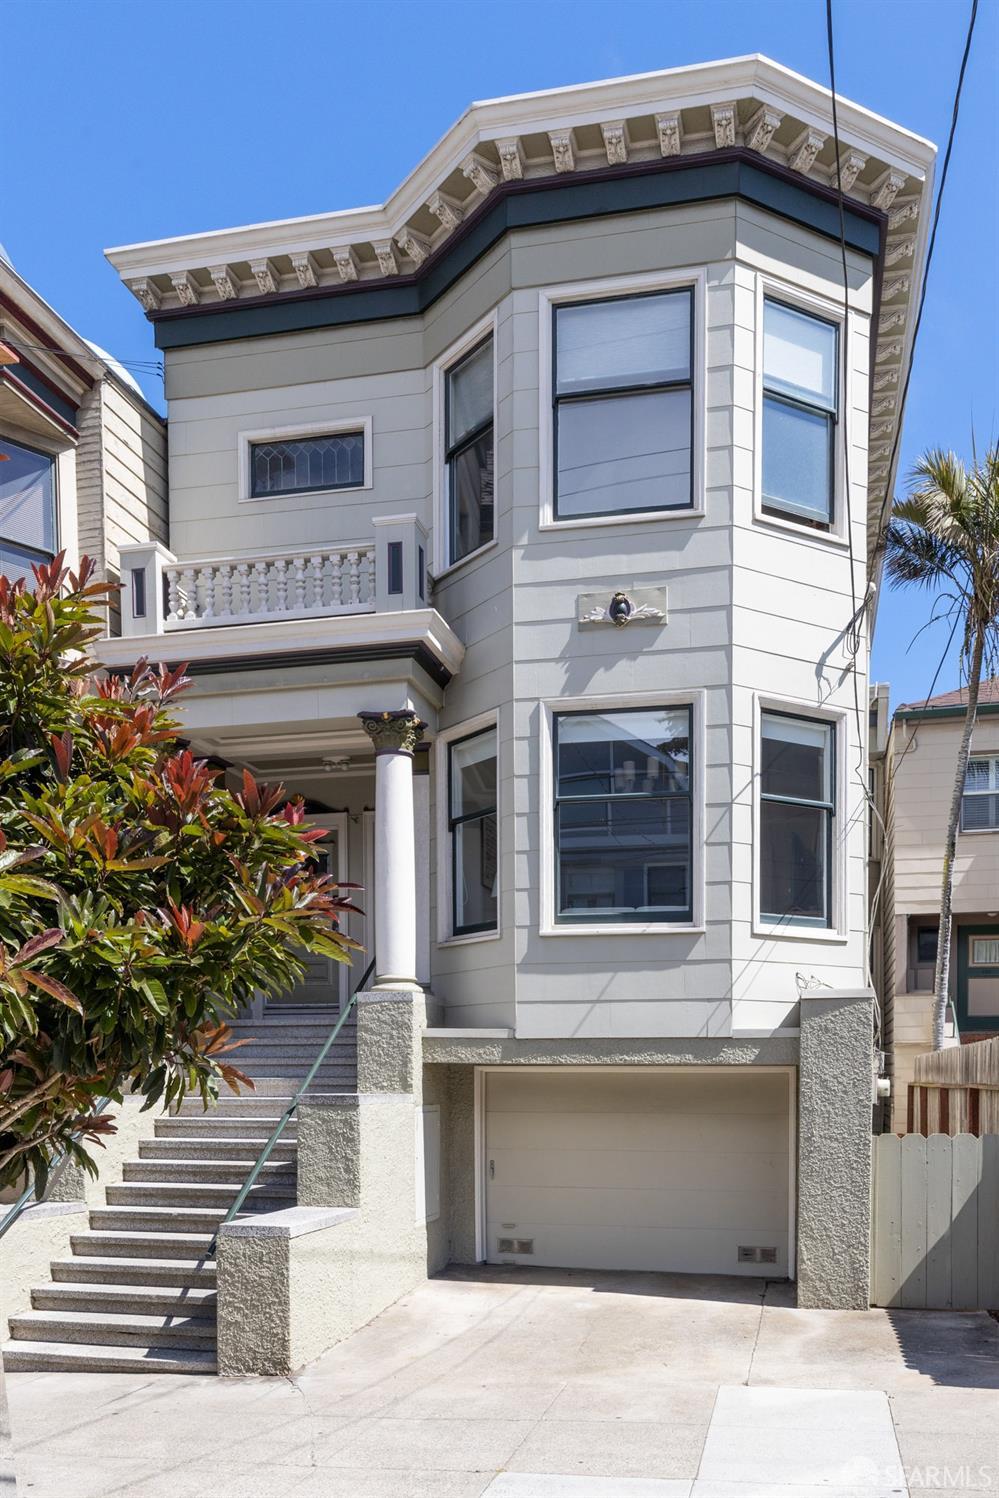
{"points": [[639, 1169]]}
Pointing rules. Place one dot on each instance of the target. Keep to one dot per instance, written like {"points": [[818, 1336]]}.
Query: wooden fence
{"points": [[956, 1091], [935, 1229]]}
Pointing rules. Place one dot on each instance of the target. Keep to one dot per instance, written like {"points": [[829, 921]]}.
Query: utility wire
{"points": [[148, 366]]}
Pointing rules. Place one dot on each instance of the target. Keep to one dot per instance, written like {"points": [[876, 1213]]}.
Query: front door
{"points": [[977, 978], [324, 980]]}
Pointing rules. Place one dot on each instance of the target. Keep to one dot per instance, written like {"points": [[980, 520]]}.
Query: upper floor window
{"points": [[623, 418], [472, 827], [27, 508], [469, 452], [623, 816], [305, 465], [797, 807], [980, 801], [799, 413]]}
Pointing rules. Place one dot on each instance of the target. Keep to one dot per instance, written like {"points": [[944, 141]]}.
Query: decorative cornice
{"points": [[346, 263], [185, 288], [147, 292], [225, 283], [615, 137], [478, 171], [396, 732], [305, 269], [388, 263], [887, 187], [446, 209], [415, 246], [267, 279], [762, 127], [804, 149], [562, 153], [670, 131], [511, 155], [851, 164], [723, 120]]}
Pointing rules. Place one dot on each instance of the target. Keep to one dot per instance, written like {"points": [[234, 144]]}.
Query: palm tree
{"points": [[945, 537]]}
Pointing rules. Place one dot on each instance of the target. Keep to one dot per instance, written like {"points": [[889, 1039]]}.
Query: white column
{"points": [[395, 736]]}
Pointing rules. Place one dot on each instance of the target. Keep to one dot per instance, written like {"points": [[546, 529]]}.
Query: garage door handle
{"points": [[492, 1170]]}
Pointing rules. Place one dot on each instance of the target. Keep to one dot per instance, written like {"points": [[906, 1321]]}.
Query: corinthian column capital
{"points": [[396, 732]]}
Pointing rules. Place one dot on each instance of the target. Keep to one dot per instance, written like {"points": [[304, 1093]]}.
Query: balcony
{"points": [[349, 596]]}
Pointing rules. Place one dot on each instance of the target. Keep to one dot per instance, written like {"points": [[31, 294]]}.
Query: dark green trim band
{"points": [[672, 182], [289, 660]]}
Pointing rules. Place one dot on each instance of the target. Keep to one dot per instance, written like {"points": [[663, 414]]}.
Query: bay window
{"points": [[474, 833], [623, 815], [797, 810], [27, 508], [469, 454], [800, 401]]}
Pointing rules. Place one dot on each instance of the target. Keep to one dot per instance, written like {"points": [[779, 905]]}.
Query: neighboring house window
{"points": [[623, 815], [922, 956], [980, 802], [27, 508], [796, 820], [984, 951], [469, 454], [306, 465], [473, 831], [623, 402], [799, 413]]}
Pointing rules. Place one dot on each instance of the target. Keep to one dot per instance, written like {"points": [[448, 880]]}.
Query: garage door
{"points": [[682, 1170]]}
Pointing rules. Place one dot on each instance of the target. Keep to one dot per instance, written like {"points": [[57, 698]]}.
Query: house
{"points": [[522, 524], [84, 467], [919, 764]]}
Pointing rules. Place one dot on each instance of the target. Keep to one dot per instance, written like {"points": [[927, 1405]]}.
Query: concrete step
{"points": [[75, 1357], [194, 1195], [153, 1243], [177, 1274], [113, 1330], [274, 1054], [226, 1126], [233, 1171], [146, 1300], [174, 1150], [158, 1219]]}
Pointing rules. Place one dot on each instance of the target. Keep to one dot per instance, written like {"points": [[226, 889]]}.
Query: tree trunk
{"points": [[941, 977]]}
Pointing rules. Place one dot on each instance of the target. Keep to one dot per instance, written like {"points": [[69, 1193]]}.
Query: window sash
{"points": [[812, 404], [458, 820], [620, 391], [665, 856], [826, 808], [455, 449], [43, 491], [259, 491]]}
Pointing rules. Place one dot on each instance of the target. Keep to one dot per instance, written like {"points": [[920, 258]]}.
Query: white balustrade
{"points": [[255, 590]]}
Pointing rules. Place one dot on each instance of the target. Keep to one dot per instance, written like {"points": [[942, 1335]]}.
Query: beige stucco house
{"points": [[918, 775], [522, 524]]}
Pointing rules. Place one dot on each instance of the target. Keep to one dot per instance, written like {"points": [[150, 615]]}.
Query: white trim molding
{"points": [[442, 754], [695, 699], [843, 822], [332, 428], [486, 327], [694, 277]]}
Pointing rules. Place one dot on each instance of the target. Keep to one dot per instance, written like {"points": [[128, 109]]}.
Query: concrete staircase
{"points": [[139, 1290]]}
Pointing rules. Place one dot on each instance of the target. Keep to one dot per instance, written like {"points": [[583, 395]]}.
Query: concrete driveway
{"points": [[541, 1384]]}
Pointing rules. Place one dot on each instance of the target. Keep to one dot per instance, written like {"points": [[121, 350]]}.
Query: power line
{"points": [[147, 366], [922, 291]]}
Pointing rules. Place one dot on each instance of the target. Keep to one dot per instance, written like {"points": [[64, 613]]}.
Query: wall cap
{"points": [[292, 1222]]}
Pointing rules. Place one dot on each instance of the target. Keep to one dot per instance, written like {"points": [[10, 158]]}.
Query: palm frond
{"points": [[914, 555]]}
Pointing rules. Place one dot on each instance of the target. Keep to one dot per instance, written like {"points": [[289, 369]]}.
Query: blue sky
{"points": [[136, 120]]}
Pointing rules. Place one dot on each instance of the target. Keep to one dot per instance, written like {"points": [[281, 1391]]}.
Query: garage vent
{"points": [[515, 1245], [757, 1255]]}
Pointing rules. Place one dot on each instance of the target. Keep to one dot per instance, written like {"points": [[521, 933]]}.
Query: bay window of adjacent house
{"points": [[797, 809], [27, 508], [623, 816], [623, 405], [469, 453], [980, 800], [472, 828], [799, 414]]}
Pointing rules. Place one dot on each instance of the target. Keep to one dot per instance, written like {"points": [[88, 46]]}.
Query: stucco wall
{"points": [[40, 1234]]}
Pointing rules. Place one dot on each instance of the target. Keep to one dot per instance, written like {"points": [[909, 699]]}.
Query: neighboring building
{"points": [[533, 481], [919, 763], [84, 466]]}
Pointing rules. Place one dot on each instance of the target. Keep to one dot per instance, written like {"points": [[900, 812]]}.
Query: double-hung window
{"points": [[980, 801], [800, 402], [307, 465], [623, 816], [797, 811], [27, 508], [623, 404], [472, 828], [469, 453]]}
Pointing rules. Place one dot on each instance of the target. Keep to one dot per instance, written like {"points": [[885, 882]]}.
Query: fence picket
{"points": [[887, 1273], [964, 1232], [913, 1222], [938, 1219], [988, 1224]]}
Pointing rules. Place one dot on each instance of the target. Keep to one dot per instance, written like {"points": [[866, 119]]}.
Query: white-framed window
{"points": [[468, 831], [465, 447], [622, 814], [804, 348], [621, 425], [29, 528], [980, 798], [305, 461], [801, 821]]}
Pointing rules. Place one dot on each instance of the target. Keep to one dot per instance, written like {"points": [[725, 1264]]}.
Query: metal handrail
{"points": [[288, 1113], [59, 1164]]}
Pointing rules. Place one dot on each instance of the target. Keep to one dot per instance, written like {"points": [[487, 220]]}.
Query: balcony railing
{"points": [[163, 593]]}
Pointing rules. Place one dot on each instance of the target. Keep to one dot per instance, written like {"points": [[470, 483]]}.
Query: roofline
{"points": [[580, 104], [984, 710]]}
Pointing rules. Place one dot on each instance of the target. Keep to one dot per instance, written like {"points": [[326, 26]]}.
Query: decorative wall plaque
{"points": [[622, 608]]}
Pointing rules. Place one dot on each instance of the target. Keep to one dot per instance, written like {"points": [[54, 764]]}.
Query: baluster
{"points": [[189, 596], [336, 579], [225, 583], [367, 575], [206, 581], [173, 595], [316, 563], [241, 589], [281, 585], [299, 565], [354, 594], [263, 604]]}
